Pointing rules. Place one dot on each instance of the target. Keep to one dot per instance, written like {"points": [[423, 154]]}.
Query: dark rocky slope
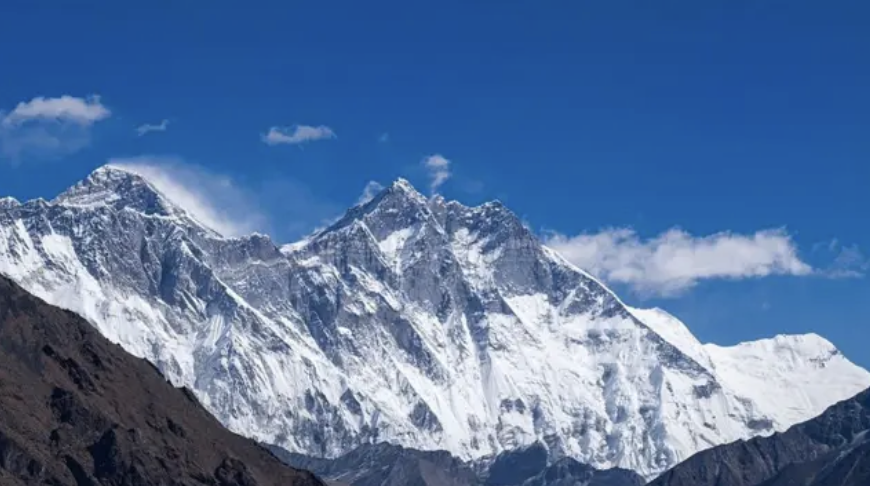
{"points": [[829, 450], [844, 466], [568, 472], [392, 465], [387, 465], [530, 466], [76, 409]]}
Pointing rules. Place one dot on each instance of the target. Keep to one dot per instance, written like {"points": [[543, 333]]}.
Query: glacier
{"points": [[411, 320]]}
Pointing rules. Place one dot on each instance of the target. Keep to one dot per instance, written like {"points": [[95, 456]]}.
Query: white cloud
{"points": [[439, 170], [214, 200], [148, 128], [370, 191], [675, 260], [49, 127], [80, 111], [296, 134]]}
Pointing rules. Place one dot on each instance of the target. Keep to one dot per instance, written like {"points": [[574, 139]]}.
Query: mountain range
{"points": [[414, 321]]}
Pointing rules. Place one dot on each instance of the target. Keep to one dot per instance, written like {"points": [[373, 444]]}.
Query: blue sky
{"points": [[707, 157]]}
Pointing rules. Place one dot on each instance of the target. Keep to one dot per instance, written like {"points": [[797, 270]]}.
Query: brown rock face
{"points": [[77, 410]]}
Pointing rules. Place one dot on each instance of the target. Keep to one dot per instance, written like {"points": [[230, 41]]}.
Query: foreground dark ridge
{"points": [[392, 465], [78, 410], [830, 450]]}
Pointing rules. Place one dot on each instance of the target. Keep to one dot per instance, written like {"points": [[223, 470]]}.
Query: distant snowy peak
{"points": [[403, 185], [402, 227], [807, 368], [400, 206], [9, 202], [395, 207], [117, 187], [794, 347]]}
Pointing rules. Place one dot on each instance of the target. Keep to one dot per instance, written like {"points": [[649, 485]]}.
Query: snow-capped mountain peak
{"points": [[403, 185], [395, 207], [8, 202], [412, 320], [117, 187]]}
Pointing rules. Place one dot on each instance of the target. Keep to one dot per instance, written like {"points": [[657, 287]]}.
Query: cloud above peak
{"points": [[215, 200], [371, 190], [49, 127], [296, 134], [675, 261], [438, 168]]}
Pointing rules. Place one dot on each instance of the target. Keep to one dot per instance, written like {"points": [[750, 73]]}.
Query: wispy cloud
{"points": [[70, 109], [675, 260], [384, 138], [296, 134], [213, 199], [848, 261], [49, 127], [271, 204], [148, 127], [439, 170], [370, 191]]}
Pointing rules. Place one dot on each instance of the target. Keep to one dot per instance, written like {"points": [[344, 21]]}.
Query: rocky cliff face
{"points": [[76, 409], [415, 321], [830, 450]]}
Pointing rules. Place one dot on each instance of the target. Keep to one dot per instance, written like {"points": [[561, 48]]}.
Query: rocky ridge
{"points": [[78, 410]]}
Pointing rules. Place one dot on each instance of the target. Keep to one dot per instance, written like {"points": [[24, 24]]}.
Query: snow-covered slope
{"points": [[411, 320], [807, 369]]}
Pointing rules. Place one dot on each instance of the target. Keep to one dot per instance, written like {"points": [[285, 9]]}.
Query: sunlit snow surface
{"points": [[415, 321]]}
